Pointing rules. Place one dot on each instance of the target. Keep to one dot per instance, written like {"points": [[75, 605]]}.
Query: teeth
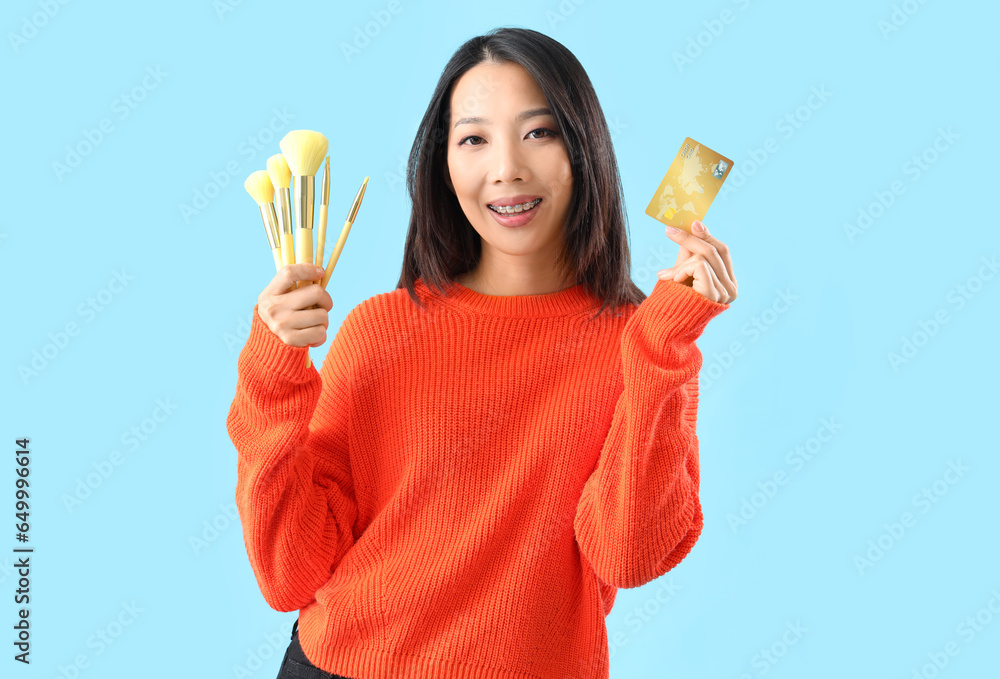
{"points": [[514, 209]]}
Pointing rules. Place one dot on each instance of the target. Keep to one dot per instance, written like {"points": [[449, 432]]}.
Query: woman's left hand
{"points": [[703, 263]]}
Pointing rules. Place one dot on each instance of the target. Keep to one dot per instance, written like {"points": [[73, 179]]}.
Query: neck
{"points": [[515, 280]]}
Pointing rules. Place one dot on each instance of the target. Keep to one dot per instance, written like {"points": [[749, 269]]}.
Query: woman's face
{"points": [[502, 157]]}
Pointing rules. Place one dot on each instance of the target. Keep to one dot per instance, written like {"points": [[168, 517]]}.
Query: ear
{"points": [[447, 179]]}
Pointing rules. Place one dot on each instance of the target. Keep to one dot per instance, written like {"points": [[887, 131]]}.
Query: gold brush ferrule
{"points": [[305, 195], [324, 192], [357, 203], [270, 224], [283, 206]]}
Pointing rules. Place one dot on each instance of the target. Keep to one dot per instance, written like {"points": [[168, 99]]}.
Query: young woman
{"points": [[493, 448]]}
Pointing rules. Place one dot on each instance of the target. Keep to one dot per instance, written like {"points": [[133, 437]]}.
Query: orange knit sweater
{"points": [[459, 490]]}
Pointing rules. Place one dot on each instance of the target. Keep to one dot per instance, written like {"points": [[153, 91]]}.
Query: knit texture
{"points": [[459, 490]]}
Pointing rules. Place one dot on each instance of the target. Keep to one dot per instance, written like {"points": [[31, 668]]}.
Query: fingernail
{"points": [[699, 226], [671, 229]]}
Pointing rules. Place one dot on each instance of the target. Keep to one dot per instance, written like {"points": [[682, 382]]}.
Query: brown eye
{"points": [[543, 129]]}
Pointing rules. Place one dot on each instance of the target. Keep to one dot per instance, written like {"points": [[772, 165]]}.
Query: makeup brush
{"points": [[304, 151], [343, 233], [259, 186], [281, 177], [324, 202]]}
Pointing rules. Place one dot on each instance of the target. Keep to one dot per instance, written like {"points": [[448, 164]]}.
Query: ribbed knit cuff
{"points": [[696, 525], [270, 358], [684, 311]]}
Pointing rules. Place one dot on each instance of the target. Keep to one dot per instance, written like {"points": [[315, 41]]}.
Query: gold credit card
{"points": [[690, 185]]}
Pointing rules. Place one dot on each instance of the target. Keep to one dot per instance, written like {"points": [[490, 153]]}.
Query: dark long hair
{"points": [[441, 243]]}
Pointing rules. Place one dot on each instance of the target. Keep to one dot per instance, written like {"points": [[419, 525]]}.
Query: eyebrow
{"points": [[524, 115]]}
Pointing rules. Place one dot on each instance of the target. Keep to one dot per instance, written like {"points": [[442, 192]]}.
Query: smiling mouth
{"points": [[516, 209]]}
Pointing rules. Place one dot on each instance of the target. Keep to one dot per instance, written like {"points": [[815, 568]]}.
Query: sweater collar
{"points": [[572, 300]]}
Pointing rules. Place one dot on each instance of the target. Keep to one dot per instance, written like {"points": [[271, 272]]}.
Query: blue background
{"points": [[802, 360]]}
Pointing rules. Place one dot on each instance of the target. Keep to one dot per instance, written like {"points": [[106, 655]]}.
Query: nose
{"points": [[509, 162]]}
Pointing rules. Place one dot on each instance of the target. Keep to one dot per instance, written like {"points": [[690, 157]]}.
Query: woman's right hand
{"points": [[287, 311]]}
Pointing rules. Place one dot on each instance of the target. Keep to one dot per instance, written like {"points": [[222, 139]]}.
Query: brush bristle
{"points": [[277, 169], [259, 186], [304, 150]]}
